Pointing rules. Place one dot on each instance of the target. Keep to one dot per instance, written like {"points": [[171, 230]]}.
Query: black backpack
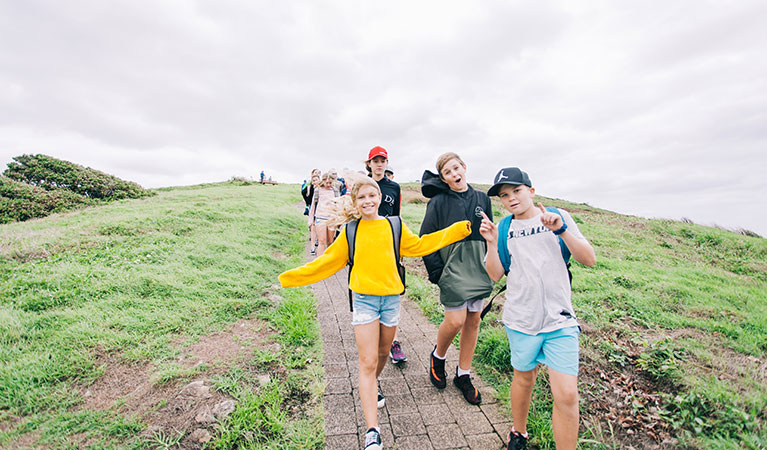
{"points": [[395, 222]]}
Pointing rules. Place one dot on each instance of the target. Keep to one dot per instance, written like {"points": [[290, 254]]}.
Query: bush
{"points": [[20, 201], [54, 174]]}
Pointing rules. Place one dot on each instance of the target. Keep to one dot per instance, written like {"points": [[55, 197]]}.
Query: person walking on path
{"points": [[538, 313], [376, 164], [262, 177], [458, 269], [319, 212], [374, 283]]}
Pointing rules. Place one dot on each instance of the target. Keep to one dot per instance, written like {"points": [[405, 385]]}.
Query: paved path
{"points": [[416, 415]]}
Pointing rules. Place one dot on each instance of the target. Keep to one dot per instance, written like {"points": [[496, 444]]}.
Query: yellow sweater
{"points": [[375, 270]]}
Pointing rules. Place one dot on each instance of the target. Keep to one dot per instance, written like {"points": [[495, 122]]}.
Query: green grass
{"points": [[133, 280], [680, 305]]}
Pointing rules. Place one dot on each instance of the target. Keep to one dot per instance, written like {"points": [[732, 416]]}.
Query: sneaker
{"points": [[396, 354], [517, 441], [381, 399], [373, 440], [437, 373], [316, 243], [470, 393], [313, 251]]}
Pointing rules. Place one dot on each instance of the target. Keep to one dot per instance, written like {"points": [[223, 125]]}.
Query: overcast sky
{"points": [[652, 108]]}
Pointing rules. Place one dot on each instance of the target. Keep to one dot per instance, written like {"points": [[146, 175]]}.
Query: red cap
{"points": [[377, 151]]}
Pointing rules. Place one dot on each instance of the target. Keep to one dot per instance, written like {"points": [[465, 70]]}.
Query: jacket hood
{"points": [[432, 184]]}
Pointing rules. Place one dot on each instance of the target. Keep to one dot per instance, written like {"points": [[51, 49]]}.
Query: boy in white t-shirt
{"points": [[538, 314]]}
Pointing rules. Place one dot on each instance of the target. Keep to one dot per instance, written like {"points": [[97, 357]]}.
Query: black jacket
{"points": [[459, 268]]}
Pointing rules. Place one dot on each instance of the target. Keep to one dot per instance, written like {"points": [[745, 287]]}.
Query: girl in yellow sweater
{"points": [[375, 286]]}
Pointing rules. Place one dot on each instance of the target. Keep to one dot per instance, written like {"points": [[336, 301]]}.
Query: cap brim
{"points": [[493, 191]]}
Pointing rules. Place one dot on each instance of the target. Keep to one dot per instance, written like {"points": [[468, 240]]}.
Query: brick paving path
{"points": [[416, 415]]}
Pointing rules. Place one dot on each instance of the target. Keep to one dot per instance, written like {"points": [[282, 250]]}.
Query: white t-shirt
{"points": [[538, 286]]}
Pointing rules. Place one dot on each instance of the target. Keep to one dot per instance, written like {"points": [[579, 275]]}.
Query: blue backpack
{"points": [[503, 252]]}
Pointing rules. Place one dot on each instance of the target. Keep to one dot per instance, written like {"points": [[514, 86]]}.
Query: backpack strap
{"points": [[396, 230], [503, 242], [351, 237], [562, 246]]}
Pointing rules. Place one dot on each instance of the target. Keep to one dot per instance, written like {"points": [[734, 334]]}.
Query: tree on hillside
{"points": [[51, 174], [21, 201]]}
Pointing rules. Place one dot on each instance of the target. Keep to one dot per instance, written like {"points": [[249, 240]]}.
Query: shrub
{"points": [[20, 201], [54, 174]]}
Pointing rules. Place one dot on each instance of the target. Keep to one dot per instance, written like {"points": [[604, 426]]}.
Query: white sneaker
{"points": [[373, 440]]}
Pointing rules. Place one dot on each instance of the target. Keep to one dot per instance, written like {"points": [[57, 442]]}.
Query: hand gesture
{"points": [[488, 230], [550, 220]]}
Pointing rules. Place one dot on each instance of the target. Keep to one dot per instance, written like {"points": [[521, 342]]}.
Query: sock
{"points": [[437, 356], [524, 435], [378, 430], [462, 372]]}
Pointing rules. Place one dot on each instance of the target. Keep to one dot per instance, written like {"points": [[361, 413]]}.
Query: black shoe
{"points": [[381, 400], [517, 441], [470, 393], [437, 373]]}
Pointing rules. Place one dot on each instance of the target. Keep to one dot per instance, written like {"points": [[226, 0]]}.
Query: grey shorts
{"points": [[469, 305]]}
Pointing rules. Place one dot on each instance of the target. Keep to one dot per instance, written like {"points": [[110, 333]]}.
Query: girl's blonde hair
{"points": [[325, 177], [344, 208], [445, 158]]}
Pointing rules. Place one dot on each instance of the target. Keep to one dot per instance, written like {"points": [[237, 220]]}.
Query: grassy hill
{"points": [[108, 313]]}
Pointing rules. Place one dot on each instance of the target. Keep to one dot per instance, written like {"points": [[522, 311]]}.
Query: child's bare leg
{"points": [[322, 238], [331, 235], [367, 347], [449, 327], [469, 332], [521, 394], [565, 417], [385, 339]]}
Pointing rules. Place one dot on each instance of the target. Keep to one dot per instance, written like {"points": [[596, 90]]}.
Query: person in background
{"points": [[389, 172], [378, 160], [319, 212]]}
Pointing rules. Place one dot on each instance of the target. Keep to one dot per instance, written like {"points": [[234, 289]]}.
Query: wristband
{"points": [[561, 230]]}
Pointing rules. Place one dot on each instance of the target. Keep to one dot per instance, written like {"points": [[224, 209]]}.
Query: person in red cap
{"points": [[376, 164]]}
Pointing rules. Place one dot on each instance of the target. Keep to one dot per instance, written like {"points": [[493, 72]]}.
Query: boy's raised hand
{"points": [[487, 229], [550, 220]]}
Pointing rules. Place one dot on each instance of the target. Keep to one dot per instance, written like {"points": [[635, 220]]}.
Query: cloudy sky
{"points": [[652, 108]]}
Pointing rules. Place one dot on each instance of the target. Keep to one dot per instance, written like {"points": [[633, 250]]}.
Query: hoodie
{"points": [[459, 268]]}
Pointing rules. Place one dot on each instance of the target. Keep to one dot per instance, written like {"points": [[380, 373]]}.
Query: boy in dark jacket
{"points": [[457, 269]]}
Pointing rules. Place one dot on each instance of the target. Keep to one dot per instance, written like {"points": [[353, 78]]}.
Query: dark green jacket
{"points": [[459, 268]]}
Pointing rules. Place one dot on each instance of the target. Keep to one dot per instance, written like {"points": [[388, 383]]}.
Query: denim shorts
{"points": [[320, 220], [557, 349], [369, 308], [469, 305]]}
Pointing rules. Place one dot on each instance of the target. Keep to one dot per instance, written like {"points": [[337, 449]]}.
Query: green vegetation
{"points": [[676, 308], [36, 186], [134, 282]]}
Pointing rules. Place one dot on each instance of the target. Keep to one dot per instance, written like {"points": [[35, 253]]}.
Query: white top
{"points": [[537, 286]]}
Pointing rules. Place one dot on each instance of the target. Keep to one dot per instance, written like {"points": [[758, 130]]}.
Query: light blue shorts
{"points": [[368, 308], [557, 349]]}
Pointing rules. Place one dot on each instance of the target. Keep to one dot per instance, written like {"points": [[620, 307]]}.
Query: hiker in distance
{"points": [[534, 251], [457, 269], [374, 282], [319, 212], [391, 196]]}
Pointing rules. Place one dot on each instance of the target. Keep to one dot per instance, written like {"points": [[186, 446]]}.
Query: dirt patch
{"points": [[172, 408]]}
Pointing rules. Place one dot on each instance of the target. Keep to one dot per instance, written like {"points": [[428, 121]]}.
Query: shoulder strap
{"points": [[503, 242], [396, 230], [562, 246], [351, 238]]}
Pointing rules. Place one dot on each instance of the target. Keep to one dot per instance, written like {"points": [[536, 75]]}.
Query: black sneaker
{"points": [[470, 393], [373, 440], [437, 373], [517, 441], [381, 400]]}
